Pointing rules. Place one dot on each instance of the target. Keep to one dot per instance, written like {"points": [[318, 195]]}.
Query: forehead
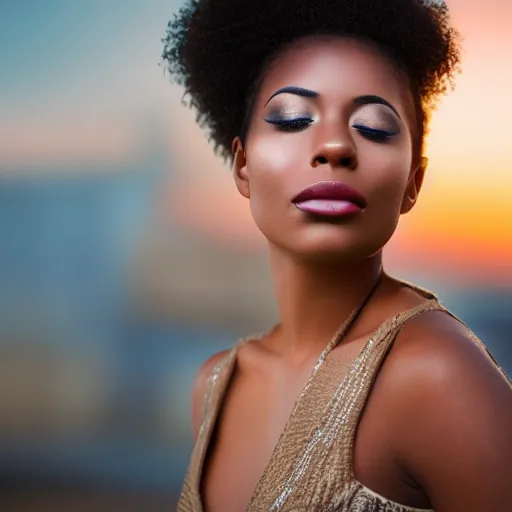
{"points": [[338, 69]]}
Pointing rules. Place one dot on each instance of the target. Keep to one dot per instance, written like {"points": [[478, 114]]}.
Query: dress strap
{"points": [[481, 345], [357, 385]]}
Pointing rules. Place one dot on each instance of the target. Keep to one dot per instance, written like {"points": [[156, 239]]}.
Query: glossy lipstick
{"points": [[330, 199]]}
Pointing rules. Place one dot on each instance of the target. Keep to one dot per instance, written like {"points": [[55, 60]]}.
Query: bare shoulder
{"points": [[199, 387], [434, 349], [451, 410]]}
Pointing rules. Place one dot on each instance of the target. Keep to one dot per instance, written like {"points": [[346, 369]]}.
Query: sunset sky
{"points": [[80, 80]]}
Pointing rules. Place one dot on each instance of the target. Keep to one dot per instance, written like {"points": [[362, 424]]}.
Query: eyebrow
{"points": [[298, 91], [372, 99], [360, 101]]}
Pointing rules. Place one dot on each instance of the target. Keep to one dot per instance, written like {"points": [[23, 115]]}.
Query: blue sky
{"points": [[65, 55]]}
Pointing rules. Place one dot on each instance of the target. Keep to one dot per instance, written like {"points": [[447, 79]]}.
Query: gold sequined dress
{"points": [[311, 468]]}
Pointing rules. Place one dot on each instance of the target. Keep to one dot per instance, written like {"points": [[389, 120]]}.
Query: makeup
{"points": [[330, 199], [297, 91]]}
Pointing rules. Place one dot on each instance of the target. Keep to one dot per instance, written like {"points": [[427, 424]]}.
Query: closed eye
{"points": [[291, 125], [374, 134]]}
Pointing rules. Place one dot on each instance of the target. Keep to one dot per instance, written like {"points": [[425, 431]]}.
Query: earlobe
{"points": [[240, 167]]}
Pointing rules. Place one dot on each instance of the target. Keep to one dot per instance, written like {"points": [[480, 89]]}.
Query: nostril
{"points": [[321, 160], [346, 162]]}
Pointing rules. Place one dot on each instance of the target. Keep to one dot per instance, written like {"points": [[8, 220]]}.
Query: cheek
{"points": [[387, 185], [388, 174], [270, 166]]}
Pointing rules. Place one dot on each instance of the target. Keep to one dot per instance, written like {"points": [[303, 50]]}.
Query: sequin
{"points": [[311, 468]]}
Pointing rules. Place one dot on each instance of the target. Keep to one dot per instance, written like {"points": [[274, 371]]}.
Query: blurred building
{"points": [[107, 312]]}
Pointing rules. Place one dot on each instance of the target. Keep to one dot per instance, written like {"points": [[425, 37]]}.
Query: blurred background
{"points": [[127, 257]]}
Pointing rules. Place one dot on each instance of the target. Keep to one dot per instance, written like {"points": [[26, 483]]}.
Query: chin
{"points": [[333, 248], [337, 255]]}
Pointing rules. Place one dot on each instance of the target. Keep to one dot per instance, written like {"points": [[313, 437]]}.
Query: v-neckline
{"points": [[226, 377]]}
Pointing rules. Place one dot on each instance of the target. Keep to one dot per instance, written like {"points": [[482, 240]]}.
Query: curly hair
{"points": [[219, 49]]}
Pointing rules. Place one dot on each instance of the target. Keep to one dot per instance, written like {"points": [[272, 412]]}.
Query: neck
{"points": [[314, 299]]}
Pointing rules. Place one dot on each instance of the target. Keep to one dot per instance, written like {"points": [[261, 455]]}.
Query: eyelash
{"points": [[299, 124], [291, 125], [372, 133]]}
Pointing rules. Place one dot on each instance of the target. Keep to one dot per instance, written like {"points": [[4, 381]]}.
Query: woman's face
{"points": [[327, 163]]}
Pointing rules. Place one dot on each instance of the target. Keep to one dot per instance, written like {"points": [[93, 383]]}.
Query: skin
{"points": [[436, 430]]}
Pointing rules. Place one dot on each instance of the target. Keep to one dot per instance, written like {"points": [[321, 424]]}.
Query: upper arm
{"points": [[199, 388], [452, 417]]}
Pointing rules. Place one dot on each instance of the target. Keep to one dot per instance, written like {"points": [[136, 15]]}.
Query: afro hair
{"points": [[219, 49]]}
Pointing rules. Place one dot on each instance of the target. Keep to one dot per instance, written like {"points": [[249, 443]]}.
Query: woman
{"points": [[323, 109]]}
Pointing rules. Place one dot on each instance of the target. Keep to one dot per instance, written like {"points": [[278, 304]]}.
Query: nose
{"points": [[336, 149]]}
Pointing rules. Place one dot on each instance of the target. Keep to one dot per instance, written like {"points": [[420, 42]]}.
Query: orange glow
{"points": [[463, 221]]}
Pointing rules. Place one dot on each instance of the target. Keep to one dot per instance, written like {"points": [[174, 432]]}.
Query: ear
{"points": [[414, 186], [240, 167]]}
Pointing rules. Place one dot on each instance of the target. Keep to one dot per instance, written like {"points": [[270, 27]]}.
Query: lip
{"points": [[330, 198]]}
